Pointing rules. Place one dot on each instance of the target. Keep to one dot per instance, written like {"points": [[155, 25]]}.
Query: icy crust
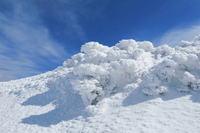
{"points": [[100, 71]]}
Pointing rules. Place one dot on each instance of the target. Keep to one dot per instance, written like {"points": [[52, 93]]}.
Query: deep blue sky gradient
{"points": [[65, 25], [108, 22], [138, 19]]}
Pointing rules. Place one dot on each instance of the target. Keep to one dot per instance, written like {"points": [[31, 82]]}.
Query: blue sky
{"points": [[38, 35]]}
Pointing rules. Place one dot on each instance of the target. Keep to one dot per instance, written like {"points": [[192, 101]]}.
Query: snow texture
{"points": [[130, 87]]}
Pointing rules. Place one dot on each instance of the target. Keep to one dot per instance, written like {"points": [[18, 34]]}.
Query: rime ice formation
{"points": [[100, 71], [132, 82]]}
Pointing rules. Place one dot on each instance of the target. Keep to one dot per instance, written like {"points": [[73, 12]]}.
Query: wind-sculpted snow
{"points": [[100, 80]]}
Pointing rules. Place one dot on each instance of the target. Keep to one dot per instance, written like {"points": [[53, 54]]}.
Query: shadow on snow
{"points": [[137, 96], [68, 105]]}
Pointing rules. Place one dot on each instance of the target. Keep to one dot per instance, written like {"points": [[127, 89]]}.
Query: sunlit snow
{"points": [[130, 87]]}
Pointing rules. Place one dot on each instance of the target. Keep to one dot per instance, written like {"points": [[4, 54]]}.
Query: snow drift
{"points": [[100, 79]]}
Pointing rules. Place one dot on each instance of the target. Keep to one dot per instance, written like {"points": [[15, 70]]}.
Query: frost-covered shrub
{"points": [[190, 81], [94, 52], [91, 71], [145, 45], [124, 69], [95, 57], [90, 92], [195, 86], [137, 54], [74, 60], [184, 43], [128, 45], [101, 71], [166, 70], [187, 78], [179, 64], [152, 85], [164, 50], [116, 54], [90, 46], [186, 61], [156, 90]]}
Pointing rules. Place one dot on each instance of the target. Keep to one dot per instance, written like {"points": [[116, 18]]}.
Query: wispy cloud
{"points": [[26, 46], [174, 36], [62, 13]]}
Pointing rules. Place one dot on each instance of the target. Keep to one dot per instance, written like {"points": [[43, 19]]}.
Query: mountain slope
{"points": [[130, 87]]}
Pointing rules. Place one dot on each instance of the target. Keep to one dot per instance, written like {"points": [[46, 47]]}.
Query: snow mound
{"points": [[102, 81]]}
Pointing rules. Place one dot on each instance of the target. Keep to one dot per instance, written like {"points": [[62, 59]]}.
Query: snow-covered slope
{"points": [[130, 87]]}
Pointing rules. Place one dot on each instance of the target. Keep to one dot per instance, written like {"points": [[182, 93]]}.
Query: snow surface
{"points": [[130, 87]]}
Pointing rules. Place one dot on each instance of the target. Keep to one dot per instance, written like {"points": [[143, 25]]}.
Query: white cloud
{"points": [[174, 36], [25, 45]]}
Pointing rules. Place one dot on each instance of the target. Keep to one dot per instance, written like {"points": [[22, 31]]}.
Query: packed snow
{"points": [[130, 87]]}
